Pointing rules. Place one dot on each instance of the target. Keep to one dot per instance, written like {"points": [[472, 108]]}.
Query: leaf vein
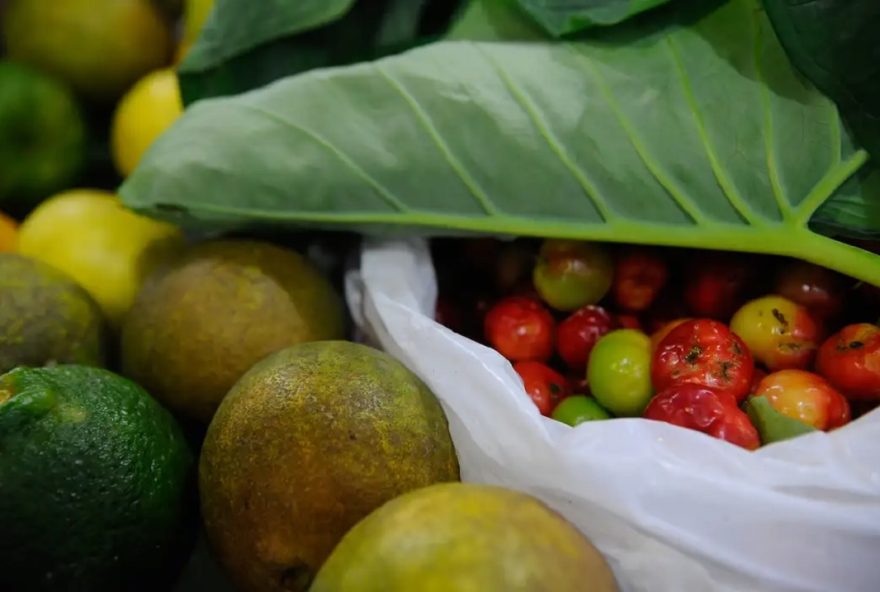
{"points": [[473, 187], [685, 203], [386, 194], [543, 128], [779, 195], [738, 203]]}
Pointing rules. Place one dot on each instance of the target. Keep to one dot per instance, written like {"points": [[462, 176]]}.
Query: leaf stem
{"points": [[828, 184]]}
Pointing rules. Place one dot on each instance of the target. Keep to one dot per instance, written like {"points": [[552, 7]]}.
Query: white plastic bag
{"points": [[674, 510]]}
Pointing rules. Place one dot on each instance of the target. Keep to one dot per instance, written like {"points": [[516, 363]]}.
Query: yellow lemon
{"points": [[147, 110], [107, 248], [195, 13]]}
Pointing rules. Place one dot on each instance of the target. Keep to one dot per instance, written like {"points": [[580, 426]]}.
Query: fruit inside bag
{"points": [[673, 509]]}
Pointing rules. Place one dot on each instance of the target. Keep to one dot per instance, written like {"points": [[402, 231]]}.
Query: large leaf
{"points": [[563, 17], [836, 44], [695, 133], [238, 26], [247, 44]]}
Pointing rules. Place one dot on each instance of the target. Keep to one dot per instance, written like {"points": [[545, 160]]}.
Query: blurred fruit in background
{"points": [[43, 137], [98, 47], [108, 249], [147, 110], [171, 9], [195, 13], [45, 317], [8, 234]]}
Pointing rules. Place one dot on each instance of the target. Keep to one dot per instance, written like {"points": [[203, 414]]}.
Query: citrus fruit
{"points": [[217, 311], [94, 483], [308, 442], [92, 237], [147, 110], [462, 537], [43, 136], [195, 15], [8, 234], [45, 317], [99, 47]]}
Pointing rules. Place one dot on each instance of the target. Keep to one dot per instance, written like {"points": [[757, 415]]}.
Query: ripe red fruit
{"points": [[817, 288], [705, 410], [805, 396], [576, 335], [520, 329], [717, 284], [543, 384], [639, 275], [703, 352], [627, 321], [850, 361]]}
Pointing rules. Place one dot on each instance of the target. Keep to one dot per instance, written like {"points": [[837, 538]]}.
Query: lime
{"points": [[43, 136], [577, 409], [147, 110], [619, 372], [46, 317], [94, 483]]}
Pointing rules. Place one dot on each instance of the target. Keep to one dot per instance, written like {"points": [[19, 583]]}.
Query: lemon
{"points": [[107, 248], [195, 15], [98, 47], [147, 110]]}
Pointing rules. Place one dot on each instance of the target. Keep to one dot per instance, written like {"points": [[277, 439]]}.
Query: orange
{"points": [[8, 233]]}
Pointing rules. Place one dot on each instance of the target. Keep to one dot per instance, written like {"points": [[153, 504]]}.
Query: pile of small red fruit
{"points": [[749, 349]]}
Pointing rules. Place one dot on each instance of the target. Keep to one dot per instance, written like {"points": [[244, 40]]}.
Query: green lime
{"points": [[577, 409], [95, 483], [619, 372], [42, 145]]}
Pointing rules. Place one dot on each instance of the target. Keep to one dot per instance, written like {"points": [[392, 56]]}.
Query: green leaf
{"points": [[235, 27], [495, 20], [772, 425], [836, 44], [695, 132], [854, 211], [246, 44], [563, 17]]}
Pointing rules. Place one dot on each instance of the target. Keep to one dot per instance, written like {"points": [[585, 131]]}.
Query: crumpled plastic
{"points": [[673, 510]]}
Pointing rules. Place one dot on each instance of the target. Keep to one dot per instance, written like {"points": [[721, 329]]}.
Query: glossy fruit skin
{"points": [[705, 410], [619, 372], [757, 377], [779, 333], [520, 329], [817, 288], [576, 335], [807, 397], [577, 409], [850, 361], [658, 335], [717, 284], [570, 274], [639, 276], [543, 384], [703, 352]]}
